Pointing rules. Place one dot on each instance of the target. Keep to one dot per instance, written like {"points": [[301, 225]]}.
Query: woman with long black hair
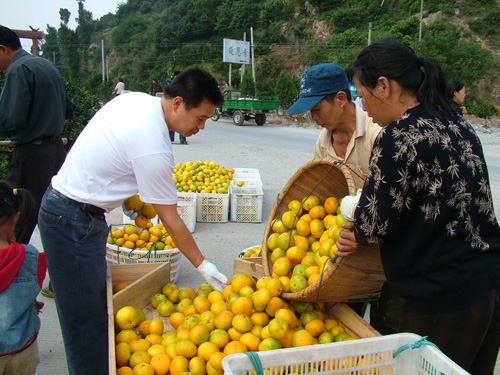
{"points": [[427, 201]]}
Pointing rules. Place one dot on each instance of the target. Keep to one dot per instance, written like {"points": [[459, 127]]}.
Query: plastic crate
{"points": [[186, 208], [246, 208], [243, 176], [362, 356], [121, 255], [252, 186], [212, 208], [245, 170]]}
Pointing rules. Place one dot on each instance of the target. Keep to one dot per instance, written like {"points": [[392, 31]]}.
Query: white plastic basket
{"points": [[252, 186], [186, 208], [245, 170], [121, 255], [246, 208], [243, 176], [212, 208], [362, 356]]}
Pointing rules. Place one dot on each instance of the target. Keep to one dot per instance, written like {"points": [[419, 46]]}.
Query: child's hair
{"points": [[16, 200]]}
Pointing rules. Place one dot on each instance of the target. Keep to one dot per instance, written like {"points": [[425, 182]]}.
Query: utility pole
{"points": [[421, 19], [242, 70], [102, 58], [253, 57]]}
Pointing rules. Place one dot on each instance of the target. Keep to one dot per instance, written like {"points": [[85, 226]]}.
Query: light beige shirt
{"points": [[358, 150]]}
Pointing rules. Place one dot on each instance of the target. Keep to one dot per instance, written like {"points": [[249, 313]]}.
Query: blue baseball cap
{"points": [[316, 83]]}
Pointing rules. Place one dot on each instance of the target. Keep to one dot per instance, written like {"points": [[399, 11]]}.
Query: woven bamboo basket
{"points": [[354, 278]]}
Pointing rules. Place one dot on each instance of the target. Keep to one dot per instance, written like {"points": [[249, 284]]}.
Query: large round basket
{"points": [[355, 278]]}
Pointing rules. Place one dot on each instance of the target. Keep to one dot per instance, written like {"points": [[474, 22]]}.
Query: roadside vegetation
{"points": [[149, 39]]}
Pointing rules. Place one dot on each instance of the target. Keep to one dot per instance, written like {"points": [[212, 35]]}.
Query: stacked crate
{"points": [[246, 200]]}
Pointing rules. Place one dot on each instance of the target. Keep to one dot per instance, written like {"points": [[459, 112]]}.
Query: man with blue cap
{"points": [[348, 133]]}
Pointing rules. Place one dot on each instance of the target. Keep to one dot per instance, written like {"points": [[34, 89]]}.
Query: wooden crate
{"points": [[354, 325], [144, 279], [148, 278], [249, 265]]}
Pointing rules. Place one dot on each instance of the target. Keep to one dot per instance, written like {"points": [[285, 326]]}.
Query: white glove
{"points": [[348, 205], [212, 275], [130, 213]]}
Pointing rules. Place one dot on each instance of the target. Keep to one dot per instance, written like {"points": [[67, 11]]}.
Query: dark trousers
{"points": [[75, 243], [171, 133], [31, 167], [470, 336]]}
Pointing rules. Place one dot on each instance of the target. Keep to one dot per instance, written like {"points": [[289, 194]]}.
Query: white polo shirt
{"points": [[125, 149]]}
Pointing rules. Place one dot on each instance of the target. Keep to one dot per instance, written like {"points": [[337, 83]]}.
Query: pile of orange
{"points": [[302, 241], [145, 211], [202, 177], [132, 237], [197, 329], [253, 252]]}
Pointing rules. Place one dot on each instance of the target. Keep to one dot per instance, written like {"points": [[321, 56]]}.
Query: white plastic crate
{"points": [[252, 186], [212, 208], [246, 208], [245, 170], [121, 255], [243, 176], [362, 356], [186, 208], [252, 181]]}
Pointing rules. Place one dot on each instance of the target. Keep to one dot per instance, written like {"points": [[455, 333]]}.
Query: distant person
{"points": [[107, 164], [22, 270], [155, 87], [34, 106], [227, 89], [182, 139], [456, 94], [120, 86]]}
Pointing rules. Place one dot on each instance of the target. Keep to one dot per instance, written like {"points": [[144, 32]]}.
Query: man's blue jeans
{"points": [[75, 243]]}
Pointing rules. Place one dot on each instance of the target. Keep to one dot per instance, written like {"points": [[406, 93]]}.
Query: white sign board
{"points": [[236, 51]]}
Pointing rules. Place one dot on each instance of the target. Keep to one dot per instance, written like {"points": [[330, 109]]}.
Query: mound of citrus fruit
{"points": [[202, 177], [194, 330], [145, 211], [253, 252], [302, 241], [152, 237]]}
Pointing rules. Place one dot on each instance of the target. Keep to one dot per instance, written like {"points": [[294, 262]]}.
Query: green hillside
{"points": [[148, 39]]}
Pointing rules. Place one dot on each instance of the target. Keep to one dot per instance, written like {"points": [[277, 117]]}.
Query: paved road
{"points": [[277, 152]]}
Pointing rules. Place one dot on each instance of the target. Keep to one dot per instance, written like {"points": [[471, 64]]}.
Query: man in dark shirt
{"points": [[33, 108]]}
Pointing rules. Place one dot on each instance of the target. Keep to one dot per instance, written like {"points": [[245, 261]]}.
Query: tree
{"points": [[247, 84], [50, 47], [69, 43], [286, 89]]}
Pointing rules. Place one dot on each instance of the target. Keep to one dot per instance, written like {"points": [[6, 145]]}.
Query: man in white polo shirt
{"points": [[125, 149]]}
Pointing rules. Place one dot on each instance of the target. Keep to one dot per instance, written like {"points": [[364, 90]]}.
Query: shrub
{"points": [[484, 109], [286, 89]]}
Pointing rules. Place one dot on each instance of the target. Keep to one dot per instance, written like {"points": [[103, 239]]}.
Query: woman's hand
{"points": [[346, 243]]}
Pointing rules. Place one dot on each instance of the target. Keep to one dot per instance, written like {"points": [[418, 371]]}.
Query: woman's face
{"points": [[372, 105], [459, 96]]}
